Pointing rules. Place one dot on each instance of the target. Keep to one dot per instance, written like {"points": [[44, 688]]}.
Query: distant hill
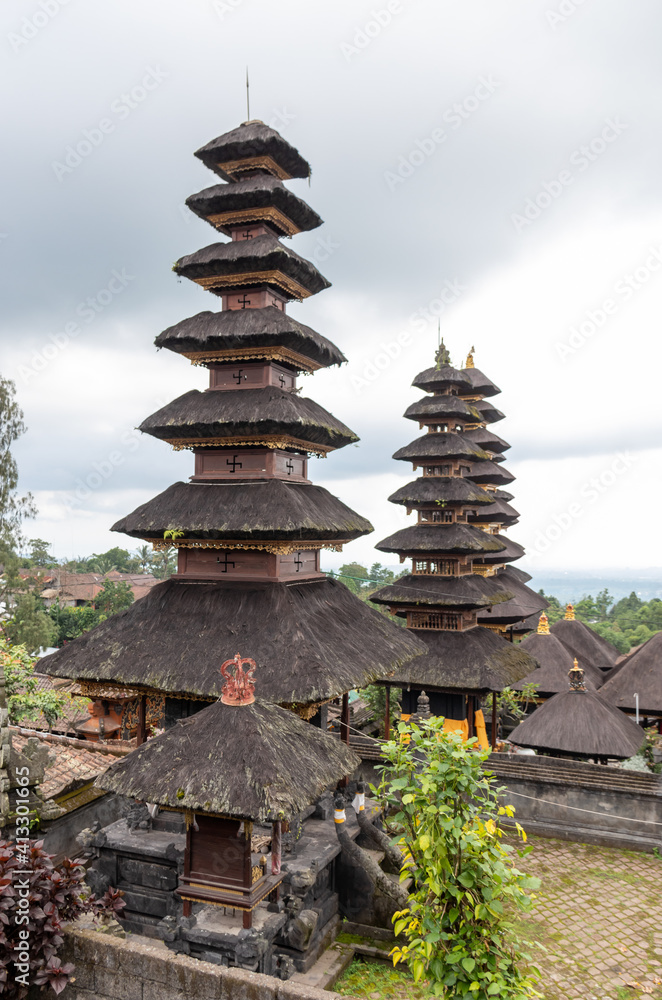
{"points": [[571, 587]]}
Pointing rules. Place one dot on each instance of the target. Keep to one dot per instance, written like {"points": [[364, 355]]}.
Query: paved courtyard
{"points": [[599, 915]]}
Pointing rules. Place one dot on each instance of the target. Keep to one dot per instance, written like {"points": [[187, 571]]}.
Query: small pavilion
{"points": [[582, 642], [554, 664]]}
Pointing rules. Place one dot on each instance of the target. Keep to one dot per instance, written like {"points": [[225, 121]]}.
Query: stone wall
{"points": [[111, 968], [587, 803]]}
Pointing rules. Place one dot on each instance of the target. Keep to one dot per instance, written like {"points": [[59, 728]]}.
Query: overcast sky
{"points": [[493, 161]]}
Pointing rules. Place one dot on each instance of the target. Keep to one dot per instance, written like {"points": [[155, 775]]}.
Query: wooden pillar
{"points": [[387, 713], [470, 716], [187, 861], [275, 847], [142, 720], [494, 720], [344, 719], [248, 919]]}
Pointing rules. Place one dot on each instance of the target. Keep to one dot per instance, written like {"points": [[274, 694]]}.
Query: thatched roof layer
{"points": [[499, 511], [271, 509], [515, 573], [237, 329], [442, 407], [262, 253], [452, 489], [478, 660], [511, 550], [254, 762], [440, 446], [261, 191], [249, 140], [554, 662], [249, 413], [488, 411], [581, 723], [313, 640], [441, 378], [490, 472], [585, 644], [523, 601], [470, 591], [641, 673], [485, 438], [480, 383], [432, 539]]}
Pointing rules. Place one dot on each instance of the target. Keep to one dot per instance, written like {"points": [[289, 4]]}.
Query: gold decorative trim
{"points": [[219, 219], [274, 277], [254, 163], [260, 353], [280, 441], [275, 548]]}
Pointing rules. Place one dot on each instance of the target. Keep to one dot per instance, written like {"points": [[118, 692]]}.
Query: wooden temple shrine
{"points": [[248, 528], [635, 684], [554, 664], [580, 723], [462, 597], [583, 643], [236, 763]]}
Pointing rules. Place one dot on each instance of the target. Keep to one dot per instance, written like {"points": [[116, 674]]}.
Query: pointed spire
{"points": [[576, 675], [569, 613], [470, 358], [543, 624], [442, 356]]}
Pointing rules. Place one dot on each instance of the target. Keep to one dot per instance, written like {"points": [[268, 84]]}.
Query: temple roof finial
{"points": [[569, 613], [470, 358], [442, 356], [543, 624], [576, 675], [239, 687]]}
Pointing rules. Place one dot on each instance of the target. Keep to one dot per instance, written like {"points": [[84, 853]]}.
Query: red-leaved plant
{"points": [[56, 895]]}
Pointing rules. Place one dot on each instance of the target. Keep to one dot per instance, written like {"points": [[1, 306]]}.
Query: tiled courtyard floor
{"points": [[599, 915]]}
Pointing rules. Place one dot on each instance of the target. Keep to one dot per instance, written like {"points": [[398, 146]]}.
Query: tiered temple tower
{"points": [[462, 597], [249, 526]]}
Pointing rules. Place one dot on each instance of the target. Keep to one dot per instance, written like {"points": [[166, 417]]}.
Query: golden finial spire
{"points": [[543, 624], [569, 613], [576, 675], [470, 358]]}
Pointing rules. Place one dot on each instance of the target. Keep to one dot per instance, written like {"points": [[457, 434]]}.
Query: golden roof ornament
{"points": [[576, 675], [543, 624], [569, 613], [470, 359]]}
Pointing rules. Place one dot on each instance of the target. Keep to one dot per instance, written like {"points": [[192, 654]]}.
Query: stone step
{"points": [[327, 969]]}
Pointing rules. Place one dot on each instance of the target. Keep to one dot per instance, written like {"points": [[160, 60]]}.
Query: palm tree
{"points": [[144, 554]]}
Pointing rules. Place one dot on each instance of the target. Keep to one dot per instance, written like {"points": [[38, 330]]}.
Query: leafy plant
{"points": [[56, 894], [375, 695], [446, 809], [24, 698]]}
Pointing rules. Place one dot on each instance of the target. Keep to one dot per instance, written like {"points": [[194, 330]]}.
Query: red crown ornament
{"points": [[239, 687]]}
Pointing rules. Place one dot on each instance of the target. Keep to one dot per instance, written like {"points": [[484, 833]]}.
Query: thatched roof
{"points": [[480, 383], [441, 378], [585, 644], [254, 509], [485, 438], [580, 723], [440, 446], [249, 140], [262, 192], [522, 603], [247, 413], [442, 407], [489, 472], [241, 329], [253, 761], [434, 539], [640, 673], [499, 511], [511, 550], [452, 489], [488, 410], [478, 660], [554, 662], [472, 591], [256, 256], [514, 572], [313, 640]]}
